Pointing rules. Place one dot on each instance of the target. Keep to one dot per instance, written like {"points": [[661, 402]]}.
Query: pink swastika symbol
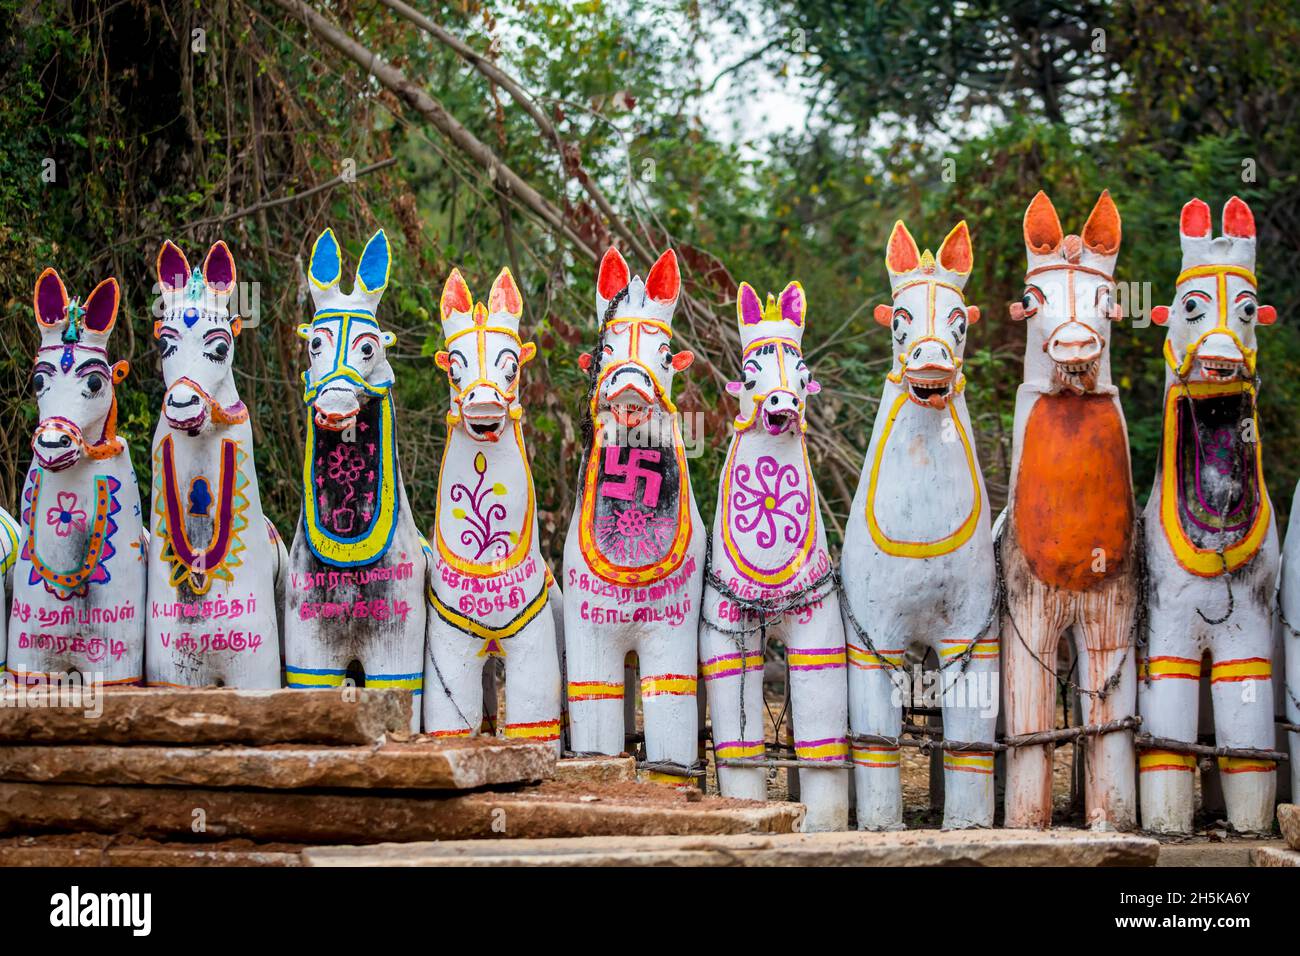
{"points": [[625, 490]]}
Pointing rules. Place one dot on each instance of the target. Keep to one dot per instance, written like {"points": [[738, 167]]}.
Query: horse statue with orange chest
{"points": [[1067, 542], [634, 555], [491, 592], [771, 574], [79, 582], [1212, 542], [918, 567]]}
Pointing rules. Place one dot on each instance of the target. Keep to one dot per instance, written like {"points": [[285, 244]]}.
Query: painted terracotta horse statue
{"points": [[1067, 542], [213, 616], [1212, 542], [11, 542], [490, 586], [79, 584], [918, 566], [771, 573], [355, 605], [634, 556]]}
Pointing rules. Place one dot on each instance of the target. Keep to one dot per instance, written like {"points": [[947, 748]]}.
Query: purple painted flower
{"points": [[772, 503], [66, 516]]}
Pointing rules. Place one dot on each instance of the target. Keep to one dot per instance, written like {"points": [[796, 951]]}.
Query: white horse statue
{"points": [[1067, 545], [490, 586], [634, 556], [79, 583], [918, 566], [771, 573], [11, 542], [1211, 539], [355, 605], [213, 617]]}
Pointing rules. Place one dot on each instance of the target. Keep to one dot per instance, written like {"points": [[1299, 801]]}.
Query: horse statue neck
{"points": [[486, 502]]}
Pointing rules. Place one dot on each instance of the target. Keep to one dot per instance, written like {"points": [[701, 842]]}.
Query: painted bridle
{"points": [[1220, 273], [480, 330], [932, 286], [340, 369], [781, 343], [1072, 313], [108, 444], [633, 359]]}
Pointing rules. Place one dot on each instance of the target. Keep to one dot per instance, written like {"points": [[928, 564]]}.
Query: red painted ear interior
{"points": [[584, 361], [956, 254], [1042, 226], [614, 276], [664, 281], [1160, 314], [902, 254], [1195, 219], [455, 295], [682, 360], [1267, 315], [1102, 232], [884, 314], [1238, 220]]}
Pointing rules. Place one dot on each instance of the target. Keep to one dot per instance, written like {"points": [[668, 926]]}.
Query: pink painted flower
{"points": [[66, 515]]}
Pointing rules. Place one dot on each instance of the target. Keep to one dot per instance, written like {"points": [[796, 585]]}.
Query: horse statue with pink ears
{"points": [[1067, 540], [634, 556], [1212, 543], [771, 574], [917, 567], [215, 561], [490, 586], [355, 606], [79, 583]]}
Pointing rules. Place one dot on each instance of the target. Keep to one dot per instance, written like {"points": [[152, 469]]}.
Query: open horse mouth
{"points": [[484, 428], [1217, 483], [1220, 370], [1079, 377], [779, 421]]}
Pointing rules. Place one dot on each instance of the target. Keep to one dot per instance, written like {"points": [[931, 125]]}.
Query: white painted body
{"points": [[491, 587], [923, 577], [220, 627], [1198, 551], [95, 627], [606, 615], [769, 545], [354, 609]]}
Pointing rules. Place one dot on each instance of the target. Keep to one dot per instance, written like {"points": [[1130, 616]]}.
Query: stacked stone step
{"points": [[221, 777]]}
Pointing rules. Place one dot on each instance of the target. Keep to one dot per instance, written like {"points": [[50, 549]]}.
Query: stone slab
{"points": [[1288, 819], [907, 848], [596, 769], [423, 763], [1228, 853], [1273, 856], [203, 716]]}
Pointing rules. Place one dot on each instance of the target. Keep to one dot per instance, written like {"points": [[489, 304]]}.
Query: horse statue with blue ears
{"points": [[771, 574], [214, 584], [635, 551], [1211, 537], [355, 606], [918, 566], [491, 594], [79, 582]]}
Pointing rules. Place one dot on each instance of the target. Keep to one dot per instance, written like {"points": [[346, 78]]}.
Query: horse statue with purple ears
{"points": [[1211, 538], [490, 586], [771, 574], [917, 565], [79, 583], [634, 556], [213, 581], [355, 605]]}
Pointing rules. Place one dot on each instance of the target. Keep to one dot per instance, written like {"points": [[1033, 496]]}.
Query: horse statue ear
{"points": [[1238, 220], [219, 268], [1194, 221], [326, 264], [505, 296], [1042, 226], [1102, 232], [664, 282], [172, 267], [101, 307], [901, 252], [455, 295], [611, 279], [956, 254], [50, 299], [884, 314], [749, 310], [794, 304], [376, 259]]}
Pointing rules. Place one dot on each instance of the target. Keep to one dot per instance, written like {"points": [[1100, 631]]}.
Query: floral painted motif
{"points": [[774, 504], [66, 515], [480, 532], [100, 527]]}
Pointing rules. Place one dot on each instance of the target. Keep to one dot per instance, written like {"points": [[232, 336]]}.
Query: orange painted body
{"points": [[1074, 491]]}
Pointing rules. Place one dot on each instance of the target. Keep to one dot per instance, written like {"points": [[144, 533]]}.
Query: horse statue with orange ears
{"points": [[918, 567], [771, 575], [634, 555], [491, 594], [1067, 539], [1211, 538], [79, 583]]}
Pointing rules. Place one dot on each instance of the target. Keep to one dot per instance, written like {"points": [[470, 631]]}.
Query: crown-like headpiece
{"points": [[781, 317]]}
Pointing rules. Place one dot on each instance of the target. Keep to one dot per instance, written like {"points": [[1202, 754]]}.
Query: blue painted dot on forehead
{"points": [[190, 316], [65, 361]]}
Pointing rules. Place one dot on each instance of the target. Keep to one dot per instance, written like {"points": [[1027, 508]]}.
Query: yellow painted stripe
{"points": [[666, 779], [314, 680], [401, 683], [799, 659], [864, 659], [736, 750], [752, 662], [542, 730], [1165, 760], [1246, 765], [980, 648], [1180, 667], [839, 749], [466, 732], [1249, 668], [668, 684], [594, 690]]}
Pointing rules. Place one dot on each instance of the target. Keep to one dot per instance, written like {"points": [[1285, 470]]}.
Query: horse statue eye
{"points": [[1027, 301], [1249, 310], [316, 344], [368, 350], [38, 382], [94, 383], [1190, 305]]}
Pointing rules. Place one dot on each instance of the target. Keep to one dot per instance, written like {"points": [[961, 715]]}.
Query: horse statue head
{"points": [[483, 356], [72, 378], [196, 340], [345, 345], [1069, 298], [929, 317], [1210, 328], [775, 380], [634, 361]]}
